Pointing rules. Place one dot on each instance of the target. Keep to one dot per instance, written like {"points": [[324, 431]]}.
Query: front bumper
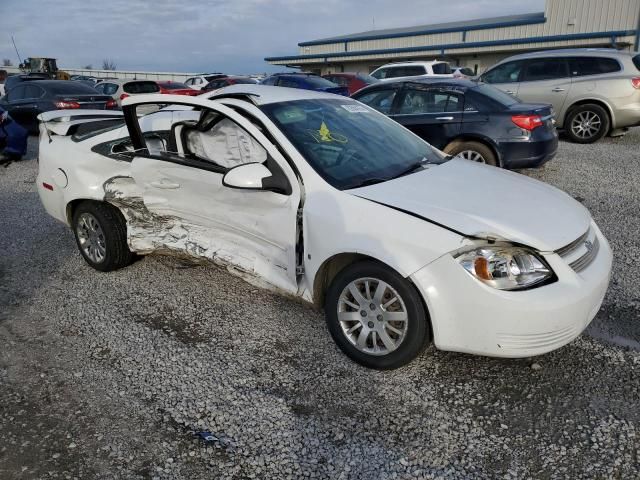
{"points": [[471, 317]]}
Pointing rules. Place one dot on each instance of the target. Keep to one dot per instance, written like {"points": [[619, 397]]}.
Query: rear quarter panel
{"points": [[74, 171], [614, 91]]}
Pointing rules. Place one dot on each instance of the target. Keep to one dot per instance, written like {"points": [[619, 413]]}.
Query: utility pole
{"points": [[14, 46]]}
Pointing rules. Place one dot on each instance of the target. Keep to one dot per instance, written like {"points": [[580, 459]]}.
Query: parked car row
{"points": [[28, 99], [468, 119], [594, 92]]}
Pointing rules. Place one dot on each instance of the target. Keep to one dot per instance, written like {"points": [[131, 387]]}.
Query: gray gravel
{"points": [[108, 375]]}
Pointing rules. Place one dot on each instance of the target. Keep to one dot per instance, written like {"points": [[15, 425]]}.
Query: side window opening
{"points": [[418, 102], [207, 137], [225, 144], [505, 73], [381, 100], [546, 69]]}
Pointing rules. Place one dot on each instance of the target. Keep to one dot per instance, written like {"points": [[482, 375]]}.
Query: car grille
{"points": [[538, 340], [580, 253]]}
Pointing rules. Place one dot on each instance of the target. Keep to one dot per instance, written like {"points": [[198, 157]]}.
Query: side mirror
{"points": [[249, 176]]}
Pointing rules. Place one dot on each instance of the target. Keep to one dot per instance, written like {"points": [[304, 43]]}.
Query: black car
{"points": [[26, 100], [13, 80], [469, 119]]}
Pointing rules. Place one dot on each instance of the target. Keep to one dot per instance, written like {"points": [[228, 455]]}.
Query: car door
{"points": [[36, 103], [545, 80], [253, 231], [17, 105], [434, 114], [505, 76]]}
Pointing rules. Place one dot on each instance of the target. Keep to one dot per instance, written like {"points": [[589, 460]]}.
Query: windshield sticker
{"points": [[323, 134], [353, 108]]}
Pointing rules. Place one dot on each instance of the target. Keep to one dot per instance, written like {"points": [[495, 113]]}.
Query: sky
{"points": [[231, 36]]}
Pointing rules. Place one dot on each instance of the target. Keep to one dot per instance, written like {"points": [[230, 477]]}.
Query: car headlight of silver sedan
{"points": [[505, 267]]}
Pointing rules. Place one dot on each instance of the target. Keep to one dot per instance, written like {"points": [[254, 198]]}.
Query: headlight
{"points": [[505, 267]]}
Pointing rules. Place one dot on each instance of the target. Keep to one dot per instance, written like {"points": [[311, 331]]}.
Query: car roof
{"points": [[408, 64], [46, 83], [266, 94], [573, 52]]}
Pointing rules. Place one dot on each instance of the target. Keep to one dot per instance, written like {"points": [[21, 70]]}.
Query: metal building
{"points": [[477, 44]]}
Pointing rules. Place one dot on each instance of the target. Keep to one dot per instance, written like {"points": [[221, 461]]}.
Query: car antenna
{"points": [[14, 46]]}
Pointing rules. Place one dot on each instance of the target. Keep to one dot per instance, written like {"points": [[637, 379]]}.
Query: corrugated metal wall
{"points": [[563, 17]]}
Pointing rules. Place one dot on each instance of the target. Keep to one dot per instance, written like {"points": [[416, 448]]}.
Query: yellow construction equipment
{"points": [[42, 65]]}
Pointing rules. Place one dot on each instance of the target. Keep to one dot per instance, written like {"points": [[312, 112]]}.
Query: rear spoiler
{"points": [[65, 122]]}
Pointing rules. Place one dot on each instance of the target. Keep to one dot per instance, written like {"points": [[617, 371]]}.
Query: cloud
{"points": [[216, 35]]}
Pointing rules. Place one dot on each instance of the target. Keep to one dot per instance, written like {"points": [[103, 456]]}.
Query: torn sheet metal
{"points": [[148, 232]]}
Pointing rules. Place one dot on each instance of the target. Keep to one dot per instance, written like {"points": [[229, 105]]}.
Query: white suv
{"points": [[434, 68]]}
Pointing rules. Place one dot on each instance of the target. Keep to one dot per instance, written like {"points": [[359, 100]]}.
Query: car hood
{"points": [[482, 201]]}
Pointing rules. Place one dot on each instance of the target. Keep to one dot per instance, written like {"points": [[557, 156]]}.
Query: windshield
{"points": [[320, 82], [141, 87], [367, 78], [348, 143]]}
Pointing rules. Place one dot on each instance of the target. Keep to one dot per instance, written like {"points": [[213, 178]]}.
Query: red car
{"points": [[353, 81], [177, 88]]}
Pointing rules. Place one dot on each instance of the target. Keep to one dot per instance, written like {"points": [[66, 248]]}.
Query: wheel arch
{"points": [[333, 265], [586, 101], [486, 141], [73, 205]]}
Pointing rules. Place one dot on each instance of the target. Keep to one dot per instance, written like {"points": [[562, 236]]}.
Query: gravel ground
{"points": [[109, 375]]}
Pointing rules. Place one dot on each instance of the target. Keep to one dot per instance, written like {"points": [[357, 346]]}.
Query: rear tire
{"points": [[474, 151], [101, 235], [587, 123], [368, 325]]}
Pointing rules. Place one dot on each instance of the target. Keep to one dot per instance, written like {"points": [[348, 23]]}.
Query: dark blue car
{"points": [[469, 119], [306, 81], [13, 138]]}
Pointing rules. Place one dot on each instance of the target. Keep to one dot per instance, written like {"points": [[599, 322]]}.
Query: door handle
{"points": [[165, 184], [510, 92], [557, 89], [444, 118]]}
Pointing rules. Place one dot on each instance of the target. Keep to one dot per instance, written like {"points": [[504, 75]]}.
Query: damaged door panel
{"points": [[187, 209]]}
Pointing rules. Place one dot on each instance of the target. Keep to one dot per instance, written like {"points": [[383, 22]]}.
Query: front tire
{"points": [[101, 235], [375, 316], [587, 123], [473, 151]]}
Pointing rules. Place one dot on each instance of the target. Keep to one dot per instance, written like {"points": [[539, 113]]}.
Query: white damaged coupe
{"points": [[320, 197]]}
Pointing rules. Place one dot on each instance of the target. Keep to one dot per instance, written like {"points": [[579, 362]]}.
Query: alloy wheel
{"points": [[373, 316], [586, 124], [91, 238], [472, 155]]}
